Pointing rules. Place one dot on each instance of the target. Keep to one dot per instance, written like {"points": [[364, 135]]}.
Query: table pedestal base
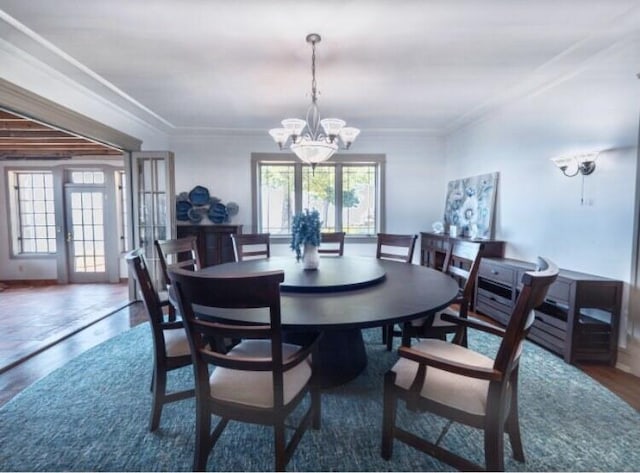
{"points": [[341, 355]]}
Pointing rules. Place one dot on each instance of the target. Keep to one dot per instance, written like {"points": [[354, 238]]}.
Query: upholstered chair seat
{"points": [[255, 388], [446, 388]]}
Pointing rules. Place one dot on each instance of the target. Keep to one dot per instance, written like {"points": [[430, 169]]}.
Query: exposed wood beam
{"points": [[22, 138]]}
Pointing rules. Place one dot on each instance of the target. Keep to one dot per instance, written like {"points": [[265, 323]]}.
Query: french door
{"points": [[153, 198], [90, 219]]}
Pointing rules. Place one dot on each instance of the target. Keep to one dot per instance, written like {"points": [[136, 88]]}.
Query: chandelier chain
{"points": [[314, 95]]}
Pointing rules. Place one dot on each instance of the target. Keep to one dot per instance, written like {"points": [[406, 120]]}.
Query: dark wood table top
{"points": [[406, 291]]}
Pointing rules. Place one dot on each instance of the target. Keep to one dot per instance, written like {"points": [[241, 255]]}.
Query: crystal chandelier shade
{"points": [[314, 140]]}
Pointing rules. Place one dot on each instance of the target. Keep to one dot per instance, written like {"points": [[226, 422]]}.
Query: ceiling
{"points": [[413, 65], [22, 138]]}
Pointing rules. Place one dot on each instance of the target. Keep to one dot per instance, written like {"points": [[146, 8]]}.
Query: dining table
{"points": [[344, 295]]}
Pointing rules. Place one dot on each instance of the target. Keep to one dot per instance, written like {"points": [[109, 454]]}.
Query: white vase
{"points": [[310, 257]]}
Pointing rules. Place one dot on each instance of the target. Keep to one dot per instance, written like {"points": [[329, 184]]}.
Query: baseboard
{"points": [[27, 283]]}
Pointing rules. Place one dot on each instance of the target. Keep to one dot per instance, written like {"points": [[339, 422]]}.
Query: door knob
{"points": [[69, 237]]}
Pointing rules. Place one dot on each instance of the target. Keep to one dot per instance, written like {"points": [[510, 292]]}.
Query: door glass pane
{"points": [[88, 236], [154, 217]]}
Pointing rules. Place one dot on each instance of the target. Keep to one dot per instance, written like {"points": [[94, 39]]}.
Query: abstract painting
{"points": [[470, 205]]}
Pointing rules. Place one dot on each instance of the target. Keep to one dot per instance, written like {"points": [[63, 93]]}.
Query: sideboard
{"points": [[214, 241], [579, 319], [433, 248]]}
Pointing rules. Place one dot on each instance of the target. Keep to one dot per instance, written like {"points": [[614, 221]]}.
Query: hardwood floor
{"points": [[34, 316], [38, 366], [14, 380]]}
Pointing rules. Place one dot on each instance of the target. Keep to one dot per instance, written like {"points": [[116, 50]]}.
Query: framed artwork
{"points": [[470, 205]]}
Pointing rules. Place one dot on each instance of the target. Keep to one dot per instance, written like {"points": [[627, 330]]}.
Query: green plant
{"points": [[305, 230]]}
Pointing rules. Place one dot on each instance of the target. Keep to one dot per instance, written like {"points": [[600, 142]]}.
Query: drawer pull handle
{"points": [[493, 271]]}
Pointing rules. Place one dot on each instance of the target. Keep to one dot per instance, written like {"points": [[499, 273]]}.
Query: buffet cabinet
{"points": [[579, 319], [214, 241], [433, 248]]}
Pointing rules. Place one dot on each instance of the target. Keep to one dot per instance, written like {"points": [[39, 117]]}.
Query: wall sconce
{"points": [[575, 164]]}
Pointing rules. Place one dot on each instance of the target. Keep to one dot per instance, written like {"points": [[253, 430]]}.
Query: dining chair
{"points": [[335, 242], [170, 344], [251, 245], [261, 380], [394, 247], [461, 262], [180, 251], [465, 386]]}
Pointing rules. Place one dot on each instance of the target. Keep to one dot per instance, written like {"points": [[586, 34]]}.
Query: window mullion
{"points": [[297, 186], [338, 196]]}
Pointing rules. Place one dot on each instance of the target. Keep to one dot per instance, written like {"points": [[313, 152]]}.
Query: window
{"points": [[87, 177], [33, 228], [347, 193]]}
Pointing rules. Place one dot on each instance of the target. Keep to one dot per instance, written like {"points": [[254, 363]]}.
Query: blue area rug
{"points": [[92, 415]]}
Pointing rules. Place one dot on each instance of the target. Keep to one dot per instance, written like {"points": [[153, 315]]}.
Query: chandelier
{"points": [[314, 140]]}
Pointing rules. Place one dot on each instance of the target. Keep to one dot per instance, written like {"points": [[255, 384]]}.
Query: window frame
{"points": [[379, 160], [14, 226]]}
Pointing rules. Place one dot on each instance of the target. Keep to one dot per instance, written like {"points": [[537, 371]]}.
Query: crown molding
{"points": [[38, 52]]}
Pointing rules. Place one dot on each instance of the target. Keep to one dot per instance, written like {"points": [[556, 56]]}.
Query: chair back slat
{"points": [[403, 247], [138, 267], [335, 240], [469, 252], [251, 246], [180, 251]]}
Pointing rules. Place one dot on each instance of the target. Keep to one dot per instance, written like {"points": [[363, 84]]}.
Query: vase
{"points": [[310, 257]]}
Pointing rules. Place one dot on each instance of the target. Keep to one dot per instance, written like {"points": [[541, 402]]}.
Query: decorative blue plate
{"points": [[232, 208], [218, 213], [199, 195], [182, 210], [182, 196], [194, 215]]}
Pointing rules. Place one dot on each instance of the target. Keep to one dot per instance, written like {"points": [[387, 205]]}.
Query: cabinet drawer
{"points": [[542, 323], [496, 272], [547, 340], [495, 300], [433, 243], [485, 307], [548, 319]]}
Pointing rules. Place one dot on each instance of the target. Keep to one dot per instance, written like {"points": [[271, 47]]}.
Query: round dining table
{"points": [[344, 295]]}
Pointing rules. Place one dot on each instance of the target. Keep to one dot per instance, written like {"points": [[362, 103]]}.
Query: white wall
{"points": [[414, 174], [539, 211]]}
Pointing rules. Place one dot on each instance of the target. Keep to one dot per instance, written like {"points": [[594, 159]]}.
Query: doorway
{"points": [[92, 225]]}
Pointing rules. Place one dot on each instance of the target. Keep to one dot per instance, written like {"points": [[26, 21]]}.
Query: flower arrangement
{"points": [[305, 230]]}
